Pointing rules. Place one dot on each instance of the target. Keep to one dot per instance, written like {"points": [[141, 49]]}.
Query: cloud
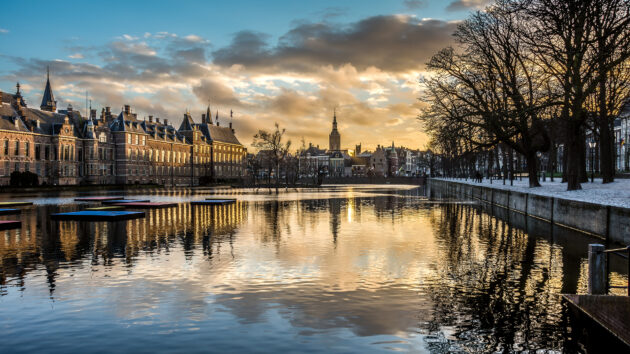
{"points": [[214, 92], [367, 69], [392, 43], [414, 4], [463, 5], [76, 56], [3, 31]]}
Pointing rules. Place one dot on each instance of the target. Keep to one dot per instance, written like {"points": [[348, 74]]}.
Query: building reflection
{"points": [[54, 244]]}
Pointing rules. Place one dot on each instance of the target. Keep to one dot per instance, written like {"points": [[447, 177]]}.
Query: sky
{"points": [[290, 62]]}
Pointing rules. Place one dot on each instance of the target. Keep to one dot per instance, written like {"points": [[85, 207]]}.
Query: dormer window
{"points": [[102, 138]]}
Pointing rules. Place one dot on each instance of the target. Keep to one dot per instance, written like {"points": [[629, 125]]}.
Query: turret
{"points": [[48, 100]]}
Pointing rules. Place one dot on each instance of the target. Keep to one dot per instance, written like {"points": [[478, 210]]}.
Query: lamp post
{"points": [[592, 144]]}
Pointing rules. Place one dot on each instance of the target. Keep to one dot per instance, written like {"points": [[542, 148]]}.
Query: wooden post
{"points": [[596, 269]]}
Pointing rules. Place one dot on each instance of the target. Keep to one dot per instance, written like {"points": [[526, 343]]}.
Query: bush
{"points": [[24, 179]]}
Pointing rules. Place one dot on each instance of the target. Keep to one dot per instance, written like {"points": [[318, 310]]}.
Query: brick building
{"points": [[64, 148]]}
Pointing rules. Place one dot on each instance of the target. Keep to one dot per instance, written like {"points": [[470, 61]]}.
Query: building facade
{"points": [[64, 148]]}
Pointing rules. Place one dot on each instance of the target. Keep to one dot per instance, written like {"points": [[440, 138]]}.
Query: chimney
{"points": [[165, 121], [231, 127], [69, 108], [203, 117], [150, 119], [157, 120], [127, 109]]}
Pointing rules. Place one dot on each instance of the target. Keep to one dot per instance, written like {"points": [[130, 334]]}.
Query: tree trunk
{"points": [[532, 169], [582, 150], [606, 140], [511, 164], [573, 155], [277, 176]]}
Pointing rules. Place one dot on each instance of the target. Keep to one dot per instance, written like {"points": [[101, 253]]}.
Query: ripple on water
{"points": [[338, 269]]}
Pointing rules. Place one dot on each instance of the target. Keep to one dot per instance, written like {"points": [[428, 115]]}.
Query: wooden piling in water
{"points": [[596, 269]]}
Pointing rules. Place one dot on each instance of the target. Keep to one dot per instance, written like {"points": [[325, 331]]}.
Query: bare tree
{"points": [[580, 43], [491, 91], [275, 146]]}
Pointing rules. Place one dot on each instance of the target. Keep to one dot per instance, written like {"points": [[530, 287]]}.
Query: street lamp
{"points": [[592, 144]]}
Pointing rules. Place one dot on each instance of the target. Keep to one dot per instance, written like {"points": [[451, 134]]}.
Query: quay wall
{"points": [[607, 222]]}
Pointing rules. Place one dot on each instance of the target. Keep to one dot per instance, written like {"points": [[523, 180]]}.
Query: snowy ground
{"points": [[615, 194]]}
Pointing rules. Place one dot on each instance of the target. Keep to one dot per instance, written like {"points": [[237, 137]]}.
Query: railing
{"points": [[598, 269]]}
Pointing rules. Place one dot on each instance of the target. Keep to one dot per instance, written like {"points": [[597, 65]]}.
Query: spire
{"points": [[208, 116], [334, 142], [48, 100], [216, 117], [17, 86]]}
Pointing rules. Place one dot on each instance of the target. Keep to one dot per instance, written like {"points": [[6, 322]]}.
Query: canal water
{"points": [[340, 269]]}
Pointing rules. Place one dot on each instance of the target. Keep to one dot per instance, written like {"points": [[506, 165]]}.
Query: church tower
{"points": [[48, 101], [334, 142]]}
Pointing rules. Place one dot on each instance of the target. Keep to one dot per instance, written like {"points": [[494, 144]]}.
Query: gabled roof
{"points": [[223, 134], [314, 151], [216, 133], [187, 123]]}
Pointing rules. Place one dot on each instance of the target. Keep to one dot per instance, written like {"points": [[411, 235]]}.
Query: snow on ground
{"points": [[616, 193]]}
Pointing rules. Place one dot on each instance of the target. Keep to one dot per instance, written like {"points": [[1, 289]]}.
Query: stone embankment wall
{"points": [[608, 222]]}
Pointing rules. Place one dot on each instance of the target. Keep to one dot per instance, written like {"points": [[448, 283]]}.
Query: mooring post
{"points": [[596, 269]]}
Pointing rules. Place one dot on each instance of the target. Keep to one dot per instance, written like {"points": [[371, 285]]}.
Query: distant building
{"points": [[64, 148]]}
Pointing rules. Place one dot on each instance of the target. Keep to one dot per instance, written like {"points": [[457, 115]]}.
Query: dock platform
{"points": [[10, 224], [610, 313], [13, 204], [213, 201], [106, 208], [146, 205], [9, 211], [97, 199], [120, 201], [98, 215]]}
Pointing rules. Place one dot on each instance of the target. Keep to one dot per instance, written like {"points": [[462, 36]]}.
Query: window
{"points": [[144, 140], [27, 147], [136, 141], [129, 139], [38, 150], [17, 148], [6, 148], [46, 151], [102, 138]]}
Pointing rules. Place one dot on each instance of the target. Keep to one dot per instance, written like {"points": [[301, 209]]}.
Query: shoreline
{"points": [[609, 222]]}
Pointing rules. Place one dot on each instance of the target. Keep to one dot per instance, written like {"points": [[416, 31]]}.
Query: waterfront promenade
{"points": [[599, 210], [613, 194]]}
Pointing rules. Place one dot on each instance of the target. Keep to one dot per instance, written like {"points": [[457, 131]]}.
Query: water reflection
{"points": [[343, 269]]}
